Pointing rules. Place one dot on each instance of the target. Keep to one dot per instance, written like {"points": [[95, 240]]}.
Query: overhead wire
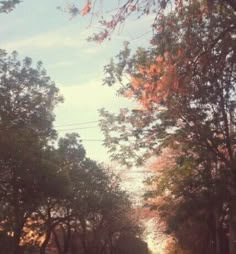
{"points": [[92, 140], [95, 140], [75, 124], [79, 128], [58, 128]]}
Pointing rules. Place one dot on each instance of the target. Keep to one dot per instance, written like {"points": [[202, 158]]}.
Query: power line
{"points": [[92, 140], [75, 124], [133, 172], [79, 128]]}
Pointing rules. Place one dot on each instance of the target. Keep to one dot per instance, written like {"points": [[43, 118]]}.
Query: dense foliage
{"points": [[185, 88], [48, 189]]}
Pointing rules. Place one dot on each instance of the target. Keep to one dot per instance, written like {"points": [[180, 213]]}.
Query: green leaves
{"points": [[28, 96], [8, 5]]}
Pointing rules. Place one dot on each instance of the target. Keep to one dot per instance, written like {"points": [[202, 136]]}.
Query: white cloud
{"points": [[60, 40], [68, 36], [90, 97], [71, 36], [47, 41]]}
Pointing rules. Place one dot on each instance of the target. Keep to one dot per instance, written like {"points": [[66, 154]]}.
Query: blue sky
{"points": [[37, 29]]}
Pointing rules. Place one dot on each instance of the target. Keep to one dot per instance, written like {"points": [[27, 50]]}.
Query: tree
{"points": [[46, 189], [91, 213], [28, 98], [185, 85], [124, 9], [8, 5], [189, 194], [169, 84]]}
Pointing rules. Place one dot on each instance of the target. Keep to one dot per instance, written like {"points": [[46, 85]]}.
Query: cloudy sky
{"points": [[39, 30]]}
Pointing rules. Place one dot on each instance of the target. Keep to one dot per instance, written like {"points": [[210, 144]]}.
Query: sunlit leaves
{"points": [[183, 80]]}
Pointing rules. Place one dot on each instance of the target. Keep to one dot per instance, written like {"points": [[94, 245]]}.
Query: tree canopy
{"points": [[53, 196], [49, 188], [184, 85]]}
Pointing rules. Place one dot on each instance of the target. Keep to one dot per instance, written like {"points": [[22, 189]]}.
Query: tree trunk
{"points": [[57, 242], [83, 235], [232, 231], [111, 244], [67, 239], [16, 238], [232, 239], [45, 242], [216, 232]]}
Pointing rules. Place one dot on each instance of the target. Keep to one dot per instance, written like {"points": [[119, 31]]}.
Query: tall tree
{"points": [[185, 85], [90, 215], [28, 98]]}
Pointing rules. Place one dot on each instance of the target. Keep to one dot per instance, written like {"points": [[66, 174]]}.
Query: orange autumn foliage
{"points": [[141, 69], [157, 81], [86, 8], [165, 161], [135, 83]]}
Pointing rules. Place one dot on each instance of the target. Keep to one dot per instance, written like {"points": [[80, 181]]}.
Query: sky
{"points": [[39, 30]]}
